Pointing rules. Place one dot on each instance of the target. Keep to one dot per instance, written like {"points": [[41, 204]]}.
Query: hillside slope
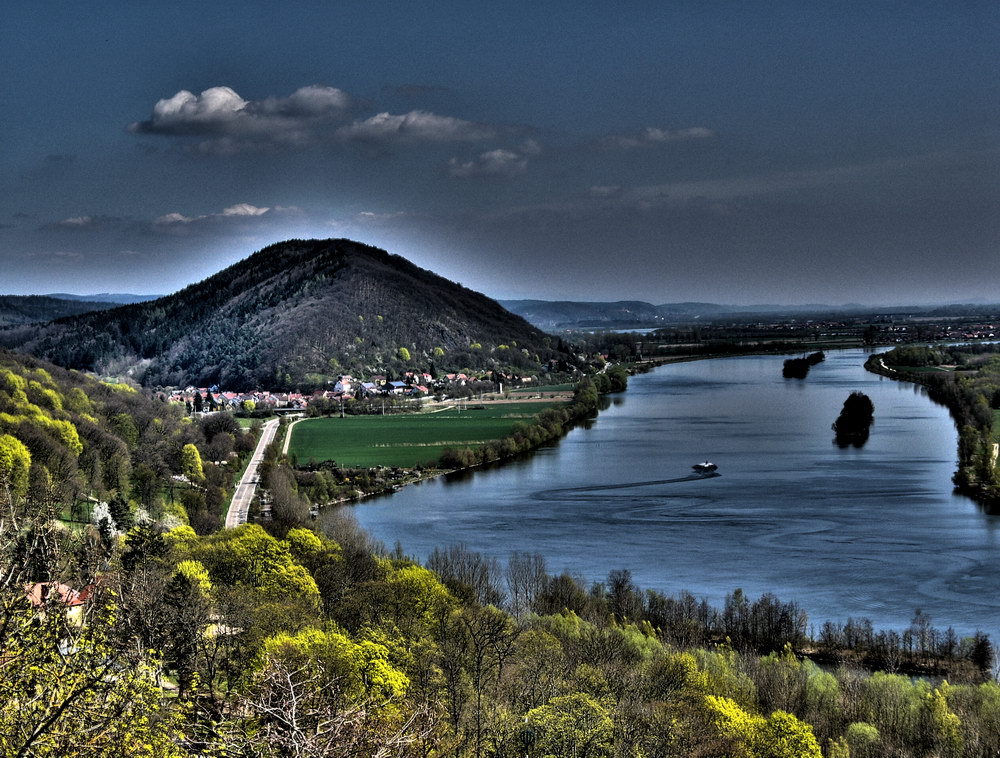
{"points": [[28, 309], [81, 439], [295, 314]]}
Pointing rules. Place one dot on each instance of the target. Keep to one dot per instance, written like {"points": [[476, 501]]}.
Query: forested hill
{"points": [[295, 314], [27, 309], [66, 438]]}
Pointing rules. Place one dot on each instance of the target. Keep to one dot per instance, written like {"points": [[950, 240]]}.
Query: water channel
{"points": [[873, 532]]}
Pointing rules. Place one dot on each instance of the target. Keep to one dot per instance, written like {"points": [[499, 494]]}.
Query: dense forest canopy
{"points": [[29, 309]]}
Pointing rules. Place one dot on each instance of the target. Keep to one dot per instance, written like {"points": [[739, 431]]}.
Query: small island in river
{"points": [[854, 422], [798, 368]]}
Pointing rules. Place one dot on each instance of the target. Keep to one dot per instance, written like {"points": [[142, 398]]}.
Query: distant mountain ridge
{"points": [[568, 314], [30, 309], [297, 313], [117, 298]]}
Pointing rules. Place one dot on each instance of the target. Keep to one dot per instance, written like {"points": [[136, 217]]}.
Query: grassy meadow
{"points": [[544, 389], [405, 440]]}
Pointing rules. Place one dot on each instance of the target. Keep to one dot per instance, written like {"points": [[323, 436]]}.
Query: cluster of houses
{"points": [[413, 384]]}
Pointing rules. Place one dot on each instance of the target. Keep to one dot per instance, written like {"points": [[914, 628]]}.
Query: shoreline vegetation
{"points": [[798, 368], [966, 380]]}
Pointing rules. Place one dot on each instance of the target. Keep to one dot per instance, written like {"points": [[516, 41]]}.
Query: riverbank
{"points": [[543, 431], [976, 476], [521, 434]]}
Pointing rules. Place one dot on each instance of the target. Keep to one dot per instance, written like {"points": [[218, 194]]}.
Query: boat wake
{"points": [[553, 494]]}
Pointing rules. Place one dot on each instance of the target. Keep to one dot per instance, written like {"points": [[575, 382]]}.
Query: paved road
{"points": [[248, 484]]}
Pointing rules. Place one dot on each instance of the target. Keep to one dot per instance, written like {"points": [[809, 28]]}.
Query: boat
{"points": [[706, 467]]}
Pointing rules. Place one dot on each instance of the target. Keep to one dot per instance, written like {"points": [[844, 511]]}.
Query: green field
{"points": [[567, 387], [404, 439]]}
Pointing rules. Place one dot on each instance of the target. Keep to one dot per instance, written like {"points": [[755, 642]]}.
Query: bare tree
{"points": [[526, 578]]}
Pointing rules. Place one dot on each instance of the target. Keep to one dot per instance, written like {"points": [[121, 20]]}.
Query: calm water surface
{"points": [[875, 531]]}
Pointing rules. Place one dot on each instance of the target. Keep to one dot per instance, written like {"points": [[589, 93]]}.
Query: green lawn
{"points": [[404, 439], [246, 423]]}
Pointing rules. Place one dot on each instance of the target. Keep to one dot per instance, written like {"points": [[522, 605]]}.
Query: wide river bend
{"points": [[873, 532]]}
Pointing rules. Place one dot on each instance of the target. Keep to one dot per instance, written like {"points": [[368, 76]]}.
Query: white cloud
{"points": [[186, 113], [244, 209], [415, 126], [232, 214], [231, 124], [85, 223], [493, 163], [235, 125], [652, 135], [174, 218], [76, 221]]}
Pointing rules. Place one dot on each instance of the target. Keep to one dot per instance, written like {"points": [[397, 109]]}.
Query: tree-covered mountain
{"points": [[295, 314], [117, 298], [32, 309]]}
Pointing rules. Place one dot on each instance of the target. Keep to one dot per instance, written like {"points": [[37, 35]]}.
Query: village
{"points": [[413, 385]]}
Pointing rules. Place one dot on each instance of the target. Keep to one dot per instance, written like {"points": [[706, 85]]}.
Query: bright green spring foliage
{"points": [[15, 462], [251, 557], [359, 671], [196, 574], [780, 735], [67, 691], [191, 463], [577, 725], [34, 400]]}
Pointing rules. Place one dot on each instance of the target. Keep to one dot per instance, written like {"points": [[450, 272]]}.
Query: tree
{"points": [[781, 735], [853, 423], [572, 725], [72, 693], [191, 463], [15, 463], [199, 402], [249, 406], [404, 354]]}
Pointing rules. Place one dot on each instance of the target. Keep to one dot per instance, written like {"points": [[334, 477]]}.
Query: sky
{"points": [[730, 152]]}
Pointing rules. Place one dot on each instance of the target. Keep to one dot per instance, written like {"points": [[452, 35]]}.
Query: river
{"points": [[873, 532]]}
